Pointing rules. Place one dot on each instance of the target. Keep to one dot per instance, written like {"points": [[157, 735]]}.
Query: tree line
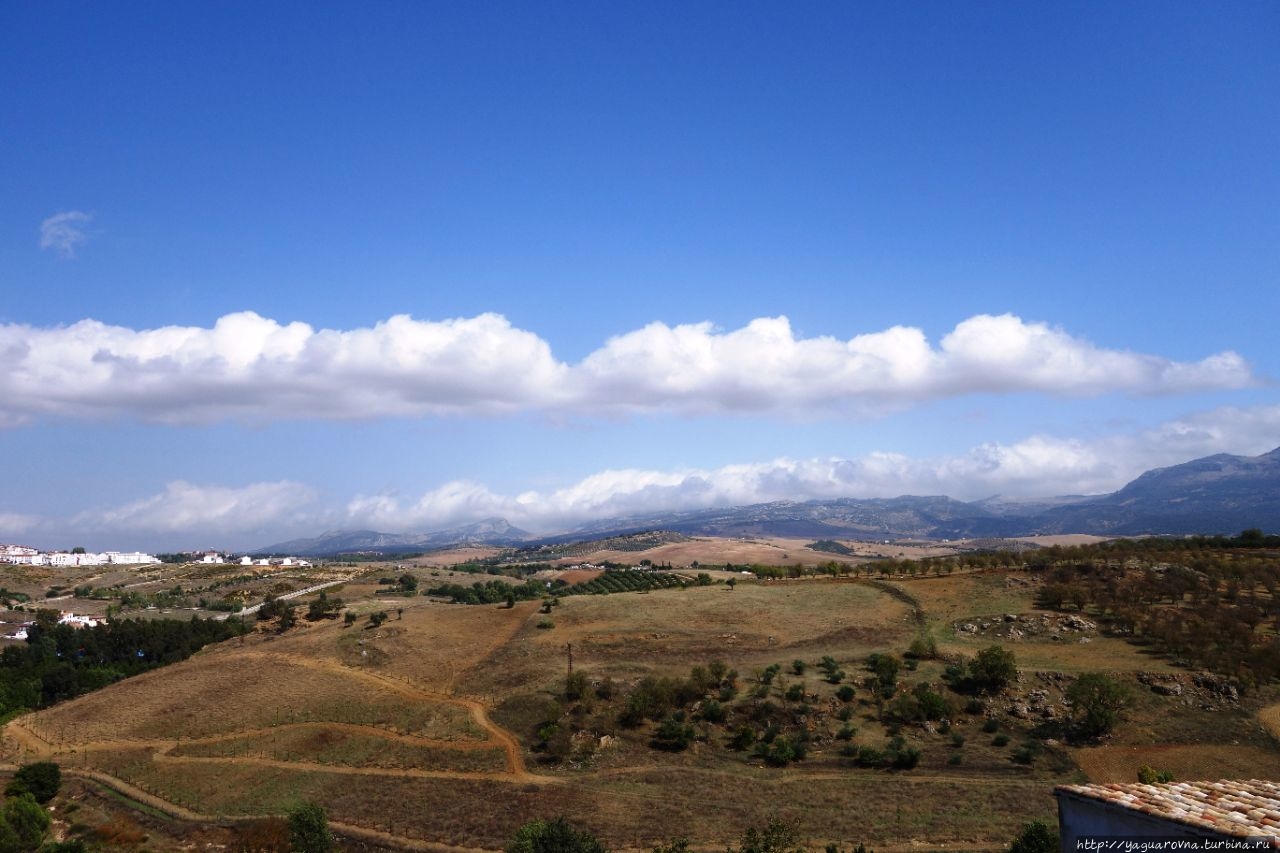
{"points": [[60, 661]]}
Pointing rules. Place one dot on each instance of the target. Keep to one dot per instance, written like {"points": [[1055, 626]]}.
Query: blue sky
{"points": [[270, 269]]}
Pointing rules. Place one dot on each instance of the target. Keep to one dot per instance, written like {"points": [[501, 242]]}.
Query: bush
{"points": [[576, 685], [991, 726], [1096, 701], [553, 836], [906, 758], [1026, 754], [923, 648], [674, 734], [956, 758], [994, 669], [885, 668], [1036, 837], [28, 823], [1148, 775], [309, 829], [1000, 740], [743, 739], [713, 712], [41, 780], [845, 693]]}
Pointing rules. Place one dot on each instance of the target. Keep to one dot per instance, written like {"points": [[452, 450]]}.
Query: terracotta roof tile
{"points": [[1232, 807]]}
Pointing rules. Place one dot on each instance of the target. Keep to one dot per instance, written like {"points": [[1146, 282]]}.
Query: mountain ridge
{"points": [[1221, 493]]}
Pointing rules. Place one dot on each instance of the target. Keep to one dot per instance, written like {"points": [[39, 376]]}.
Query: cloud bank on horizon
{"points": [[250, 368], [1037, 466]]}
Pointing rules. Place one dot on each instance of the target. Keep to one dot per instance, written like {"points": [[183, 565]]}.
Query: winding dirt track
{"points": [[496, 736], [35, 747]]}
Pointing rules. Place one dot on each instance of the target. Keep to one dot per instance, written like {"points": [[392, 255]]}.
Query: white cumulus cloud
{"points": [[1037, 466], [207, 509], [250, 368], [64, 232], [192, 515], [14, 524]]}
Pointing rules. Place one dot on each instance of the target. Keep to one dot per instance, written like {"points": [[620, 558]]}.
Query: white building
{"points": [[69, 618], [130, 558]]}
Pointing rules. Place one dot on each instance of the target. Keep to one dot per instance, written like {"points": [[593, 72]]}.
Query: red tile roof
{"points": [[1232, 807]]}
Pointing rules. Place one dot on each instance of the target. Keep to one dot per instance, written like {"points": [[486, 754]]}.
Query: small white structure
{"points": [[130, 558], [68, 618], [212, 557]]}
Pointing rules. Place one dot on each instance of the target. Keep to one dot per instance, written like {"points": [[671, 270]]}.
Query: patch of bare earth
{"points": [[1187, 762]]}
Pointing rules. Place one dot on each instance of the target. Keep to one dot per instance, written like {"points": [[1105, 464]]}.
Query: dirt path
{"points": [[31, 746], [479, 715]]}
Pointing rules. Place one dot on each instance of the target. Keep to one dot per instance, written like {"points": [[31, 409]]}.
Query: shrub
{"points": [[576, 685], [885, 668], [906, 758], [1096, 701], [1148, 775], [1026, 754], [41, 780], [845, 693], [541, 836], [1036, 837], [956, 758], [993, 669], [991, 725], [23, 817], [545, 624], [713, 712], [309, 829], [674, 734], [923, 648], [1000, 740], [743, 738]]}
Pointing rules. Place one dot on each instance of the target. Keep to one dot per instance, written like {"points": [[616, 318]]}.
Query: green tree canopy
{"points": [[1036, 837], [1096, 701], [553, 836], [309, 829], [994, 669], [41, 780], [28, 822]]}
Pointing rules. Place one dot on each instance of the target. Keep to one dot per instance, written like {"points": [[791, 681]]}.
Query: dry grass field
{"points": [[423, 731], [769, 551]]}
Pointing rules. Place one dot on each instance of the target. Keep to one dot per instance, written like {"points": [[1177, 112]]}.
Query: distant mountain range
{"points": [[491, 531], [1216, 494]]}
